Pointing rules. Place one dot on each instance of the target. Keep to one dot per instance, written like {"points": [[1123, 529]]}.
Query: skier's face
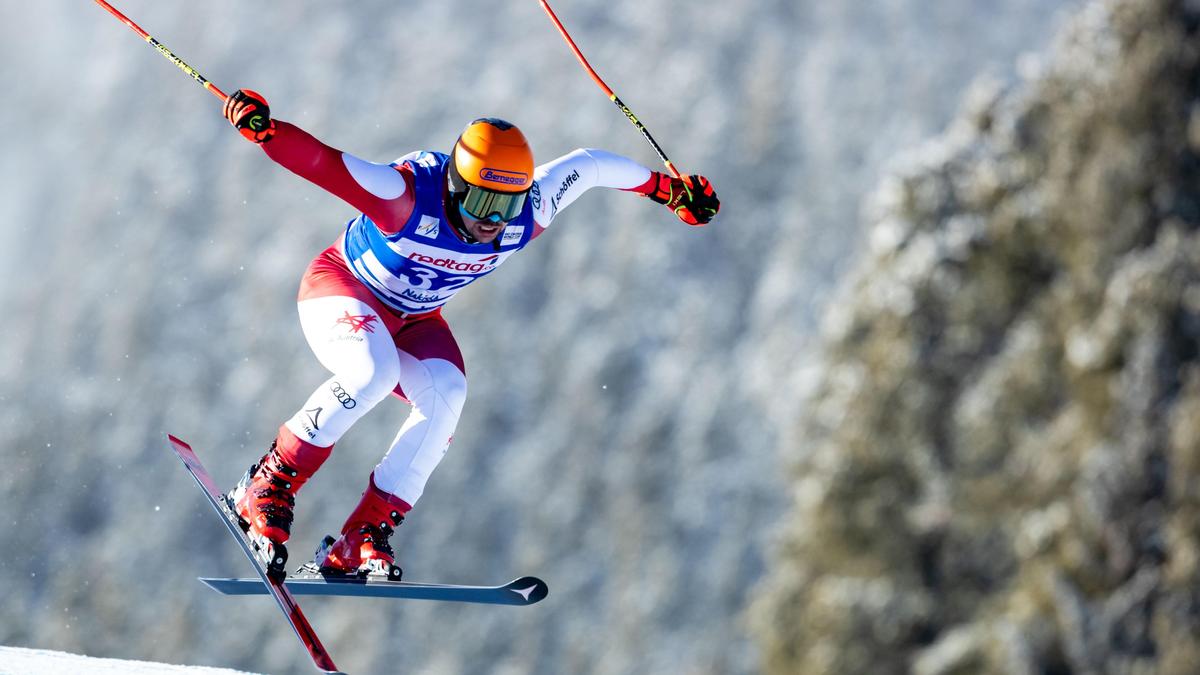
{"points": [[484, 230], [485, 212]]}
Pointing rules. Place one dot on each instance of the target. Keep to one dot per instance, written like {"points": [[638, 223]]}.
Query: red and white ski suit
{"points": [[371, 346]]}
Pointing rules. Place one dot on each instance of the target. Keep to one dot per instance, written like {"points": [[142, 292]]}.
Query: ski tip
{"points": [[222, 586], [531, 589], [175, 440], [235, 586]]}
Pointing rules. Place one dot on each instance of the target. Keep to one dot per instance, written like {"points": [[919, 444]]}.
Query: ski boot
{"points": [[265, 497], [363, 549]]}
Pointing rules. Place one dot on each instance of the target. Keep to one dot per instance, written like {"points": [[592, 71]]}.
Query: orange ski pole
{"points": [[607, 91], [164, 51]]}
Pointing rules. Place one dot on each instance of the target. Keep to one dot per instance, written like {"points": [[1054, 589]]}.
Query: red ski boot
{"points": [[265, 497], [363, 549]]}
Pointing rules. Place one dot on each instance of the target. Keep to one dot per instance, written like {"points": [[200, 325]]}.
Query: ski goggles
{"points": [[484, 204]]}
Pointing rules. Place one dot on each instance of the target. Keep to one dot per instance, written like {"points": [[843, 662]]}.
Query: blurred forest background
{"points": [[922, 403]]}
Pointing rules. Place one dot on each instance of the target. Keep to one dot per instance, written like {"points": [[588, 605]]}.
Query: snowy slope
{"points": [[18, 661]]}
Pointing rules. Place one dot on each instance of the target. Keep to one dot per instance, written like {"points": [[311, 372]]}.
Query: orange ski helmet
{"points": [[491, 168]]}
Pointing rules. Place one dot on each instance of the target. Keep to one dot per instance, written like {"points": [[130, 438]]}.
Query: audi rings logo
{"points": [[535, 196], [342, 396]]}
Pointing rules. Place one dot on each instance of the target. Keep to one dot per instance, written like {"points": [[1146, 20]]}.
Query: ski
{"points": [[521, 592], [283, 597]]}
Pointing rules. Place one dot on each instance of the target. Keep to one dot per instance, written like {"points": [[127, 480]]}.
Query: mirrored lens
{"points": [[482, 203]]}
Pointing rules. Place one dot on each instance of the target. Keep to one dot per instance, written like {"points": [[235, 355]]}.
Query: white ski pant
{"points": [[421, 363]]}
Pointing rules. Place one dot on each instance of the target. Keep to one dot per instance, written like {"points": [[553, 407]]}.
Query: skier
{"points": [[370, 304]]}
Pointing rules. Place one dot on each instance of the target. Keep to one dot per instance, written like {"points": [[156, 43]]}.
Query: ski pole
{"points": [[164, 51], [608, 92]]}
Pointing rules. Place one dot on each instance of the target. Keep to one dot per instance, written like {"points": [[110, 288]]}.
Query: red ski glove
{"points": [[692, 199], [248, 111]]}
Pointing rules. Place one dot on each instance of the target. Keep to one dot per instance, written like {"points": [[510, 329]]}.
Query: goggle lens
{"points": [[487, 204]]}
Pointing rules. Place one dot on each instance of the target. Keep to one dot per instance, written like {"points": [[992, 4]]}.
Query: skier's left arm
{"points": [[558, 183]]}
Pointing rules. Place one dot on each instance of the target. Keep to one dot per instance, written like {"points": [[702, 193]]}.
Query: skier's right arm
{"points": [[381, 191]]}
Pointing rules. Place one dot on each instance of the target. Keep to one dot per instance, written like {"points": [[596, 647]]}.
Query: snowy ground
{"points": [[17, 661]]}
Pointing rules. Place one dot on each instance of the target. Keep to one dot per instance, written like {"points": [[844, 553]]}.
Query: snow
{"points": [[19, 661]]}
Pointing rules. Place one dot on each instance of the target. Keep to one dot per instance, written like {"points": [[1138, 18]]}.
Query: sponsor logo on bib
{"points": [[512, 235], [428, 227]]}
